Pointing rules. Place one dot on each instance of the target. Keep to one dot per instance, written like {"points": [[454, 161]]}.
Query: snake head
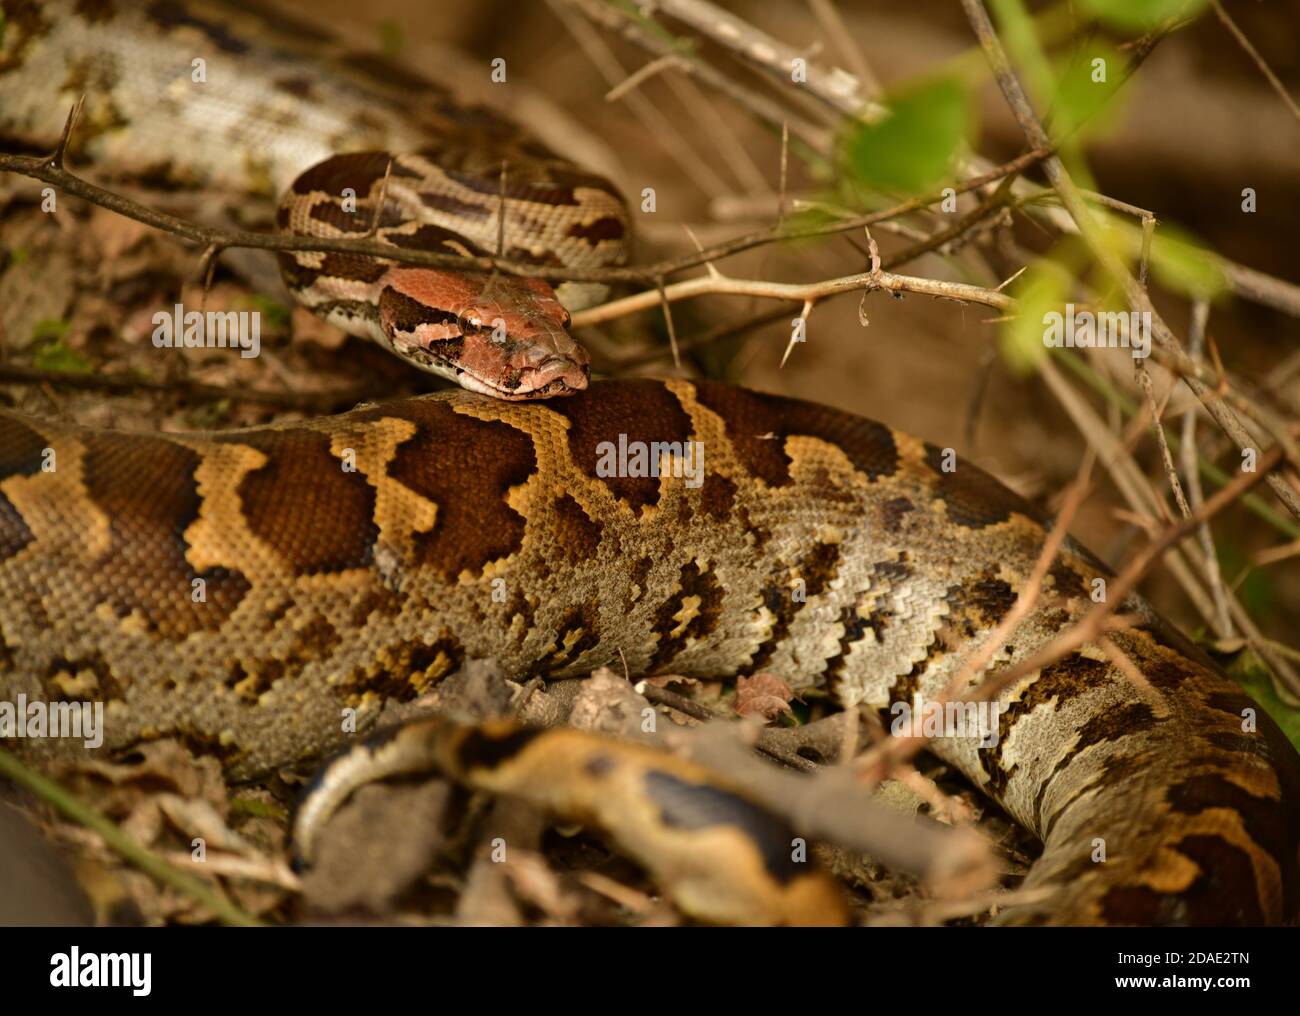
{"points": [[505, 336]]}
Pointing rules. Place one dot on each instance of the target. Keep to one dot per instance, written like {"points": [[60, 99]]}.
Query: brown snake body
{"points": [[820, 546], [239, 590]]}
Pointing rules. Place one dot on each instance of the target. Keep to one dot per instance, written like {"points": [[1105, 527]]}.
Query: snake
{"points": [[240, 591]]}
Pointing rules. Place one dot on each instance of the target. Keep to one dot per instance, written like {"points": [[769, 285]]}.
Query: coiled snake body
{"points": [[350, 560]]}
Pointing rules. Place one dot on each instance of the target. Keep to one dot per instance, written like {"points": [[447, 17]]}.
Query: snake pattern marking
{"points": [[330, 588]]}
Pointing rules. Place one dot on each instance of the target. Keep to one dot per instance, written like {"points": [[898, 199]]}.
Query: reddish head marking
{"points": [[504, 336]]}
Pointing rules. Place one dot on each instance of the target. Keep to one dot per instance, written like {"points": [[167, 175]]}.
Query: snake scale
{"points": [[357, 559]]}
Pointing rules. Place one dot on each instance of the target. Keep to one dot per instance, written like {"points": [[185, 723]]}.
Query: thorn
{"points": [[208, 268], [642, 73], [874, 251], [377, 213], [61, 149], [1148, 231], [803, 316], [713, 272], [1006, 282], [668, 320]]}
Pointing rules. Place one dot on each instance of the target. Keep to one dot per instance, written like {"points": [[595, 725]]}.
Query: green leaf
{"points": [[1253, 586], [390, 38], [50, 330], [56, 355], [1253, 675], [276, 315], [1042, 291], [1020, 33], [1086, 87], [1181, 263], [913, 148], [810, 219], [1141, 15]]}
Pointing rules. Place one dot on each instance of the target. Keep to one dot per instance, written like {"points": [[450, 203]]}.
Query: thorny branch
{"points": [[1194, 374], [764, 50], [215, 238], [721, 285]]}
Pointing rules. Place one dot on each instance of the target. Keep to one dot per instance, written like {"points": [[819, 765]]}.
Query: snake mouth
{"points": [[556, 376], [551, 380]]}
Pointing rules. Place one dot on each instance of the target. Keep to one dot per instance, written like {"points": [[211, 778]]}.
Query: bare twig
{"points": [[630, 26], [1253, 53], [837, 88], [1135, 487], [665, 302], [1120, 402], [1195, 340], [785, 161], [643, 73], [832, 24], [377, 213], [1144, 382], [1139, 493], [945, 238], [657, 124]]}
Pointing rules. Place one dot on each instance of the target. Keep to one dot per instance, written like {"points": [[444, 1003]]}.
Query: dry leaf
{"points": [[115, 233], [377, 845], [608, 704], [764, 695], [307, 327]]}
